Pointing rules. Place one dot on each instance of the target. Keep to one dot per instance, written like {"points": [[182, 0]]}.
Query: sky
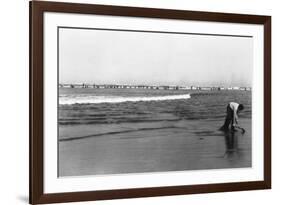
{"points": [[127, 57]]}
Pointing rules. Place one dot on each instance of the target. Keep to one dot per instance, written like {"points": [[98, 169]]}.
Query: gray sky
{"points": [[95, 56]]}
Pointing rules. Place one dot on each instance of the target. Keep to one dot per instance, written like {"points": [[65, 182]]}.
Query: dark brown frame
{"points": [[37, 9]]}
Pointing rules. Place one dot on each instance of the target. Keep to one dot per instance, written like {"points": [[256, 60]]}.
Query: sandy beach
{"points": [[152, 147], [157, 108]]}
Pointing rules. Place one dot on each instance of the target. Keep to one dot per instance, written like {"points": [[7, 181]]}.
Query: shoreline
{"points": [[152, 147]]}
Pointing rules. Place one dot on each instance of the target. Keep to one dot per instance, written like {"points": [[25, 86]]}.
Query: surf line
{"points": [[115, 99], [118, 132]]}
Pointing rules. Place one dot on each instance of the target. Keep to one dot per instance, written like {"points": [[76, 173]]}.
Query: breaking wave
{"points": [[86, 99]]}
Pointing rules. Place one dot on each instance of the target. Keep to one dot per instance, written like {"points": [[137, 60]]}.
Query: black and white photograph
{"points": [[136, 101]]}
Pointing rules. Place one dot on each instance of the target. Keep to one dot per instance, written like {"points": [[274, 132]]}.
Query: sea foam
{"points": [[86, 99]]}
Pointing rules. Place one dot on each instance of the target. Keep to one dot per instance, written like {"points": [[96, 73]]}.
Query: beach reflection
{"points": [[231, 144]]}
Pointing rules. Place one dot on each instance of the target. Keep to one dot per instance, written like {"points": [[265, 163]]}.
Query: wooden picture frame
{"points": [[37, 9]]}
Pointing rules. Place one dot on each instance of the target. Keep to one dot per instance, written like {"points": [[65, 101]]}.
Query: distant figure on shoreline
{"points": [[231, 118]]}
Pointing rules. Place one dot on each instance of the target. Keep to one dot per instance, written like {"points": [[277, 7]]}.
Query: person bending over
{"points": [[231, 119]]}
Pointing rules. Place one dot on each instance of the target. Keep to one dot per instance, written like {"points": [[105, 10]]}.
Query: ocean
{"points": [[115, 131]]}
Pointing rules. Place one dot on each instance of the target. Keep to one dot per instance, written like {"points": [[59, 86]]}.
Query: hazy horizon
{"points": [[138, 58]]}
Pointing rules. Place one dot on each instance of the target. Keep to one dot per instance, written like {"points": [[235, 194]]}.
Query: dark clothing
{"points": [[228, 119]]}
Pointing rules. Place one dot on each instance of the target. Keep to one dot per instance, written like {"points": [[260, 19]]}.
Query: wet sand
{"points": [[152, 147]]}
